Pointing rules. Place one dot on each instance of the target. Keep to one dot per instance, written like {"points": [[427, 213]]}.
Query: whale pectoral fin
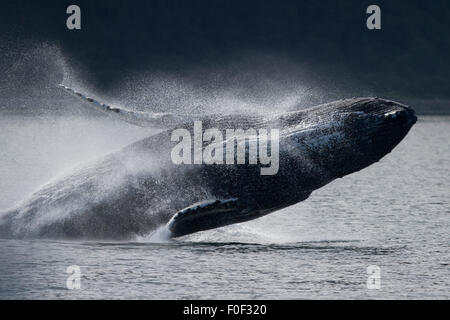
{"points": [[204, 215], [142, 119]]}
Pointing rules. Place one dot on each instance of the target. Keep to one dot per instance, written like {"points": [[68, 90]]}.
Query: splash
{"points": [[162, 234], [256, 84], [63, 205]]}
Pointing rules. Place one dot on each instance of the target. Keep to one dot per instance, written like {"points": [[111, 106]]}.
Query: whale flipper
{"points": [[142, 119], [204, 215]]}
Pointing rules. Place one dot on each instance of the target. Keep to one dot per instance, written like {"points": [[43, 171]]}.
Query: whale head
{"points": [[345, 136]]}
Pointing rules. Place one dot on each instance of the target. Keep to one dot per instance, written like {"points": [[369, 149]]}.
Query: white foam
{"points": [[162, 234]]}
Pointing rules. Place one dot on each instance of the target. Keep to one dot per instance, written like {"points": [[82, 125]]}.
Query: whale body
{"points": [[134, 191]]}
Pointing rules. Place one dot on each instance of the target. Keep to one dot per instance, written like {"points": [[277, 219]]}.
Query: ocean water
{"points": [[394, 215]]}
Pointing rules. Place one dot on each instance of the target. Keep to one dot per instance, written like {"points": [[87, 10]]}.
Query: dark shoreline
{"points": [[429, 107]]}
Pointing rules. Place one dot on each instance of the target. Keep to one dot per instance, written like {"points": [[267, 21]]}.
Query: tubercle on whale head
{"points": [[348, 135]]}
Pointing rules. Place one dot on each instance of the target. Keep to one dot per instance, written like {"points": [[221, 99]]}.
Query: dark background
{"points": [[408, 57]]}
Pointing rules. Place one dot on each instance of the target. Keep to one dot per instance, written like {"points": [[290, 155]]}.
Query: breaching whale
{"points": [[138, 189]]}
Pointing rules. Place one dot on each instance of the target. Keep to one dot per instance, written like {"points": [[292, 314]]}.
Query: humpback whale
{"points": [[134, 191]]}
